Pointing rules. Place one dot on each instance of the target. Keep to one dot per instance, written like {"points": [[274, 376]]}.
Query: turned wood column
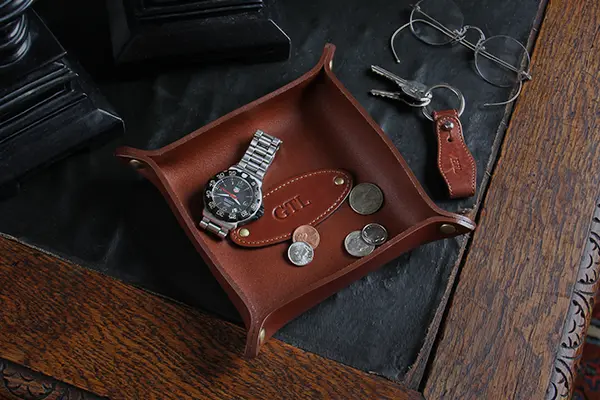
{"points": [[47, 108], [15, 39]]}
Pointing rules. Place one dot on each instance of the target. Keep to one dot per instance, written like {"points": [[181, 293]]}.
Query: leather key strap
{"points": [[455, 162]]}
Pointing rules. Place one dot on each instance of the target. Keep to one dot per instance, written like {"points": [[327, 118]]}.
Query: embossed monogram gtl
{"points": [[290, 207]]}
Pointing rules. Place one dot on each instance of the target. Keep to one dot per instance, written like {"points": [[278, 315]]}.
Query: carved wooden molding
{"points": [[578, 316], [18, 382]]}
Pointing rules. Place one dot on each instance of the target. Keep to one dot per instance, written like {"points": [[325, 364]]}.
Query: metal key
{"points": [[413, 93]]}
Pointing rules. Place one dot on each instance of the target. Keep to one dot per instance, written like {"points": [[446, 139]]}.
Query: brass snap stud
{"points": [[339, 181], [261, 336], [244, 232], [447, 229], [136, 164]]}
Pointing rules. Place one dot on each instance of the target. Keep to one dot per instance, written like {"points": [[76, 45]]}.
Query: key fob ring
{"points": [[429, 113]]}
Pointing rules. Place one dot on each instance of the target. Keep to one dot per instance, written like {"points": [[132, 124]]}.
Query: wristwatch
{"points": [[234, 197]]}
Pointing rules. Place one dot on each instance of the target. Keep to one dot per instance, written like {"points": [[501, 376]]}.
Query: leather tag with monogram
{"points": [[307, 199], [455, 162]]}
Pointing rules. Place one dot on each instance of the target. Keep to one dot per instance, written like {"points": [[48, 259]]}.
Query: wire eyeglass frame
{"points": [[459, 36]]}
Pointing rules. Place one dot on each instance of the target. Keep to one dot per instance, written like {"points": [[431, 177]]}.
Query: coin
{"points": [[356, 246], [308, 234], [366, 198], [300, 253], [374, 234]]}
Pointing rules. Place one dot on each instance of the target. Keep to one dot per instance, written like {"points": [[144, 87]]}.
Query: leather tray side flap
{"points": [[144, 163]]}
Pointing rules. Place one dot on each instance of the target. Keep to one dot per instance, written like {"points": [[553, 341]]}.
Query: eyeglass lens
{"points": [[500, 60], [434, 21]]}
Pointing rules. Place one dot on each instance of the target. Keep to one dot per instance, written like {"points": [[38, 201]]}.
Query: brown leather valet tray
{"points": [[323, 128]]}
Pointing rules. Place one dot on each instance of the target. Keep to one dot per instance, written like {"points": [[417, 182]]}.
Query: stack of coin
{"points": [[362, 243], [364, 199], [305, 240]]}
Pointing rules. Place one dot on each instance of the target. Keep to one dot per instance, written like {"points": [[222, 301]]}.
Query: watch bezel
{"points": [[211, 207]]}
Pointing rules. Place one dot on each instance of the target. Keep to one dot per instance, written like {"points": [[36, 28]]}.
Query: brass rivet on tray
{"points": [[261, 336], [244, 232], [447, 229], [339, 181], [136, 164]]}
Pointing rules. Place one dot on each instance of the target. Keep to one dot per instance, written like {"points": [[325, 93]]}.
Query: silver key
{"points": [[413, 93]]}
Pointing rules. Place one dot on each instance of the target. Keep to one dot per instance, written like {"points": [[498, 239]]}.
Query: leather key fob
{"points": [[455, 162]]}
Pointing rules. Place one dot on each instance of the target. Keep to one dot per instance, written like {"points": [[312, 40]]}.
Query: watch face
{"points": [[232, 196]]}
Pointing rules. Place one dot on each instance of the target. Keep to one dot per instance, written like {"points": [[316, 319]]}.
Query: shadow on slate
{"points": [[93, 210]]}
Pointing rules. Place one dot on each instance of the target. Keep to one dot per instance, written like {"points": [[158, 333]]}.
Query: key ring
{"points": [[454, 162], [461, 98]]}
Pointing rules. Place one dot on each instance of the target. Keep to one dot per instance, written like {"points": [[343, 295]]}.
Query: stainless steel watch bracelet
{"points": [[260, 154], [206, 224]]}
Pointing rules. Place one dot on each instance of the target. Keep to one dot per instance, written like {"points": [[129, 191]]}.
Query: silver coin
{"points": [[300, 253], [374, 234], [366, 198], [356, 246]]}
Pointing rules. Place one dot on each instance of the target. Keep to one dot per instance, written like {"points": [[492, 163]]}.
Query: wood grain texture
{"points": [[96, 333], [578, 317], [20, 383], [504, 325]]}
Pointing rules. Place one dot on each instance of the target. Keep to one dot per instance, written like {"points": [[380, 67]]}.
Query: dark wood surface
{"points": [[522, 294], [503, 329], [20, 383], [99, 334]]}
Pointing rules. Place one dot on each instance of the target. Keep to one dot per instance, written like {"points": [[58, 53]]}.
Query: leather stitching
{"points": [[317, 219], [438, 128], [439, 123], [469, 156]]}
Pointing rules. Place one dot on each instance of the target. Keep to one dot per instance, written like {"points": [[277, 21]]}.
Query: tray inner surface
{"points": [[320, 129]]}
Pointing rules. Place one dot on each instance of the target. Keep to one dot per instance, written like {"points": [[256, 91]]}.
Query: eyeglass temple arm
{"points": [[513, 98], [393, 39]]}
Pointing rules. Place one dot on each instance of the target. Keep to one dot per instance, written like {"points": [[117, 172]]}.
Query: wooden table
{"points": [[513, 329]]}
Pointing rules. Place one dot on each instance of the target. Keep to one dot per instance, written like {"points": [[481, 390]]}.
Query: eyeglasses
{"points": [[500, 60]]}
